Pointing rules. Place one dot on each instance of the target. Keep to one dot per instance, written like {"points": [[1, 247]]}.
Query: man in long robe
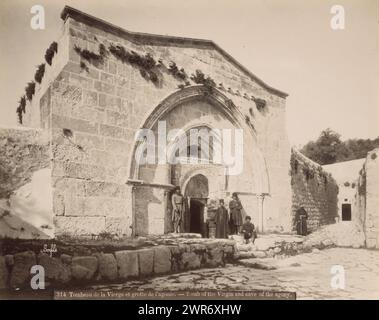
{"points": [[177, 209], [235, 208], [301, 221], [222, 221]]}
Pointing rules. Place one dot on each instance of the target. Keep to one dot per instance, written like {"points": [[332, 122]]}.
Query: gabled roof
{"points": [[146, 38]]}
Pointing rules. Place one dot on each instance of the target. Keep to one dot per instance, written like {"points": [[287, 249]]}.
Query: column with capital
{"points": [[260, 199]]}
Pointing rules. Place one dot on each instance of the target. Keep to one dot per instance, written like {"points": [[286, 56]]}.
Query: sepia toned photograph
{"points": [[189, 150]]}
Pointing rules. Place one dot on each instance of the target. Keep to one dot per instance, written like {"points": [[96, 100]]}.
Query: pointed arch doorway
{"points": [[196, 193]]}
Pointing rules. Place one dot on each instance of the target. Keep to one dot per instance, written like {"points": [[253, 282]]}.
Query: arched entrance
{"points": [[196, 193], [192, 107]]}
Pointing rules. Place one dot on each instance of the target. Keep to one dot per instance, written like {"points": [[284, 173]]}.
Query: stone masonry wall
{"points": [[93, 110], [371, 225], [313, 189]]}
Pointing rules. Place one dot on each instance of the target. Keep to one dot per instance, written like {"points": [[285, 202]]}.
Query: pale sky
{"points": [[332, 77]]}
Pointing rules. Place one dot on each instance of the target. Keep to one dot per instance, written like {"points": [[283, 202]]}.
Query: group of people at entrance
{"points": [[230, 223], [227, 223]]}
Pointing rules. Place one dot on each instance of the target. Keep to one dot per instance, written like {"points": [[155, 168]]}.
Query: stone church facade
{"points": [[95, 97]]}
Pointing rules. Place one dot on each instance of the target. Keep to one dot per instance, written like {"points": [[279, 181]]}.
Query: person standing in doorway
{"points": [[301, 221], [177, 209], [221, 221], [235, 208]]}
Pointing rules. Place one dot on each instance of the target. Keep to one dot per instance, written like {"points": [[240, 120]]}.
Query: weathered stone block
{"points": [[259, 254], [214, 257], [190, 260], [146, 261], [87, 141], [9, 260], [83, 82], [78, 226], [84, 268], [116, 146], [65, 95], [78, 170], [107, 78], [102, 189], [90, 98], [3, 274], [127, 263], [111, 131], [112, 67], [117, 119], [74, 124], [162, 260], [66, 259], [109, 102], [117, 226], [55, 270], [20, 275], [107, 266], [104, 87]]}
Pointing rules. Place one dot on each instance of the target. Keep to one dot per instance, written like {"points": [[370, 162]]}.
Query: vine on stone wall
{"points": [[39, 73], [30, 90], [200, 78], [21, 108], [260, 103], [50, 52], [146, 64], [92, 57], [176, 73], [38, 76]]}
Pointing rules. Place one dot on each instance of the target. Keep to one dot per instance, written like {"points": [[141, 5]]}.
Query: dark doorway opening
{"points": [[196, 216], [346, 212]]}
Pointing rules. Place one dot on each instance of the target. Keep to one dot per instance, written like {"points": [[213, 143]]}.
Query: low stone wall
{"points": [[117, 266], [281, 246], [315, 190]]}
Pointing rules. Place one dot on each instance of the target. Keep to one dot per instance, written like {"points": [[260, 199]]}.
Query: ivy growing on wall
{"points": [[21, 108], [50, 52], [38, 76], [30, 90], [260, 103], [145, 63], [39, 73], [92, 57], [178, 74], [200, 78]]}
